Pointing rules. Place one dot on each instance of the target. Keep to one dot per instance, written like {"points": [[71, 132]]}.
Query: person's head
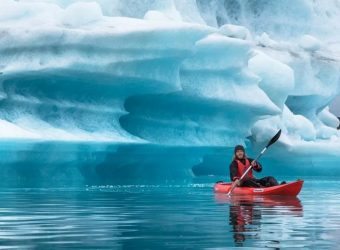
{"points": [[239, 152]]}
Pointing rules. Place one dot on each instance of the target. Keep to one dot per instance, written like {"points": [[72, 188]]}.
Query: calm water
{"points": [[188, 216]]}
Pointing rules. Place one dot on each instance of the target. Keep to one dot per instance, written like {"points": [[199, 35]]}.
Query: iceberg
{"points": [[102, 91]]}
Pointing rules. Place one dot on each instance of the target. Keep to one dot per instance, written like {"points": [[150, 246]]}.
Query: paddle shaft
{"points": [[233, 186]]}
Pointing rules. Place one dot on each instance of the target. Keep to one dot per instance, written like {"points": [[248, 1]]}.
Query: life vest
{"points": [[241, 168]]}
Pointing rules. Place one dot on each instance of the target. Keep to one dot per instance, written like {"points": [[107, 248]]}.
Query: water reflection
{"points": [[168, 217], [246, 213]]}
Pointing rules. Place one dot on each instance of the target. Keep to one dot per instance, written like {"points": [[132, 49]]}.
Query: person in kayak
{"points": [[241, 163]]}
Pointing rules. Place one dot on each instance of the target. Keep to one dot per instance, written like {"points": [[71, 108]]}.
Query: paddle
{"points": [[272, 141]]}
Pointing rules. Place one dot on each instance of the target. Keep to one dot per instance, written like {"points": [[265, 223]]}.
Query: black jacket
{"points": [[234, 170]]}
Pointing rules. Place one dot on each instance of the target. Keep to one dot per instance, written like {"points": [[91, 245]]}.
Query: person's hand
{"points": [[254, 163], [237, 183]]}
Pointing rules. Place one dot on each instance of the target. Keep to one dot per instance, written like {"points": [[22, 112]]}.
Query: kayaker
{"points": [[241, 163]]}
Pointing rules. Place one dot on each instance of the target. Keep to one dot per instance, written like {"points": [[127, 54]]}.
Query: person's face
{"points": [[239, 154]]}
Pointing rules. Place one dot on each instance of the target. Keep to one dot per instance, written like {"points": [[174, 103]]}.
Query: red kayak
{"points": [[292, 189]]}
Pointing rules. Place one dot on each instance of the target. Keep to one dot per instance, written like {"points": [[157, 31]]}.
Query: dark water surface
{"points": [[183, 216]]}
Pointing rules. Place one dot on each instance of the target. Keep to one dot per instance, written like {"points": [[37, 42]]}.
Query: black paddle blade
{"points": [[274, 139]]}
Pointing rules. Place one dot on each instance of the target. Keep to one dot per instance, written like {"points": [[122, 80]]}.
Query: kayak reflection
{"points": [[246, 212]]}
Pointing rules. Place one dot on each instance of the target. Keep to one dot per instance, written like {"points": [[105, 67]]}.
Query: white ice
{"points": [[176, 72]]}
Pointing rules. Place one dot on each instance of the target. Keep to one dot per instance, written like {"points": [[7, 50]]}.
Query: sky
{"points": [[335, 106]]}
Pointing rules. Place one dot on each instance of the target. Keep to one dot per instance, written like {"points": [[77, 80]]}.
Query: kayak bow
{"points": [[292, 189]]}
